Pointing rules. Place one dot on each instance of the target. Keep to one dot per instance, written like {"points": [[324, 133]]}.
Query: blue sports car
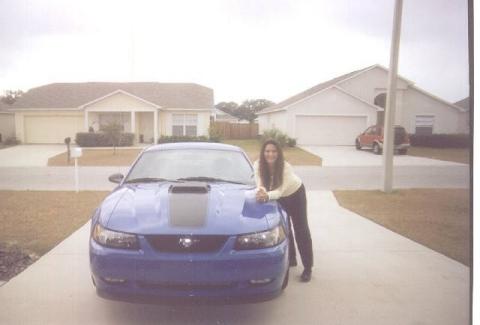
{"points": [[184, 222]]}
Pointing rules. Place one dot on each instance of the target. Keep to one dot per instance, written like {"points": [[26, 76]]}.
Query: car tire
{"points": [[402, 151], [376, 149], [285, 280], [358, 146]]}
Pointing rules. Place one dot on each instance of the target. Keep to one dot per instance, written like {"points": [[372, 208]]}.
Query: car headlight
{"points": [[114, 239], [264, 239]]}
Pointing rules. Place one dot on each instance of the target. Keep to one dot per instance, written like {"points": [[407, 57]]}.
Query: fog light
{"points": [[113, 280], [261, 281]]}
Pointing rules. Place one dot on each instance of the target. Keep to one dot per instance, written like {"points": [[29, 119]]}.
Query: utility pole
{"points": [[391, 100]]}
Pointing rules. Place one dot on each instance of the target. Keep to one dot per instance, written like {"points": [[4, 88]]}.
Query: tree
{"points": [[11, 96], [227, 107], [113, 132], [249, 108]]}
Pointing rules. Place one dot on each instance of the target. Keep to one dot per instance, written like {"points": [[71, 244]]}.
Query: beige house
{"points": [[337, 111], [50, 113]]}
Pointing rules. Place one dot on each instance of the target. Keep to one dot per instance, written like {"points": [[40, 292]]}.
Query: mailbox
{"points": [[76, 152]]}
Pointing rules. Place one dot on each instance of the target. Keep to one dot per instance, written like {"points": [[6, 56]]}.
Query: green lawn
{"points": [[461, 155]]}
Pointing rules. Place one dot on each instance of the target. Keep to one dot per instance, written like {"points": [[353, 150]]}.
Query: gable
{"points": [[119, 101]]}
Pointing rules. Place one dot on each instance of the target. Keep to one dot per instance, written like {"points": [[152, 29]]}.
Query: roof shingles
{"points": [[74, 95]]}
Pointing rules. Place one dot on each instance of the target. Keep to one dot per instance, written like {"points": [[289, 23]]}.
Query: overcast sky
{"points": [[242, 49]]}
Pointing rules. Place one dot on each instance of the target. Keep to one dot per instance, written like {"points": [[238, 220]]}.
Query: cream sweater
{"points": [[291, 182]]}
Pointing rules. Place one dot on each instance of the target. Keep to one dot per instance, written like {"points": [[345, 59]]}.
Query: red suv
{"points": [[373, 138]]}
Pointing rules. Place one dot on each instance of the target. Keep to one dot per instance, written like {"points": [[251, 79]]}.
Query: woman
{"points": [[276, 181]]}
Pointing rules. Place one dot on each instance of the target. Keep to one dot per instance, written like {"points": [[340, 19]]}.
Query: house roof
{"points": [[311, 91], [464, 103], [337, 80], [74, 95]]}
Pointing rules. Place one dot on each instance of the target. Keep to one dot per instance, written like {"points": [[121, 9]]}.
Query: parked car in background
{"points": [[372, 138], [184, 222]]}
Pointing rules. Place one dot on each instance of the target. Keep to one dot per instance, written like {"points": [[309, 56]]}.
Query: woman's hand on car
{"points": [[261, 195]]}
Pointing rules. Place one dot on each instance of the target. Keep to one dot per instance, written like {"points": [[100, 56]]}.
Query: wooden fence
{"points": [[236, 130]]}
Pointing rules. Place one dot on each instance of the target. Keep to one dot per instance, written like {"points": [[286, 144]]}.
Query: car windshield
{"points": [[192, 164]]}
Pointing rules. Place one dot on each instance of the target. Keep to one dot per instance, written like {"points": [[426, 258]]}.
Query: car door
{"points": [[363, 138]]}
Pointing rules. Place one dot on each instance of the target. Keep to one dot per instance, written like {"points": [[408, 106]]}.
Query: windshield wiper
{"points": [[208, 179], [148, 180]]}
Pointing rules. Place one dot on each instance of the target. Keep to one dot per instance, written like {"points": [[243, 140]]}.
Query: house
{"points": [[50, 113], [336, 111], [7, 122]]}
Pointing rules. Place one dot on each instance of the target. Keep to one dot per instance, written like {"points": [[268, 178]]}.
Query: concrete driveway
{"points": [[349, 156], [29, 155], [363, 274]]}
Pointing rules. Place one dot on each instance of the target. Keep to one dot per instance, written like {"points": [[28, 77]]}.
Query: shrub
{"points": [[100, 139], [184, 138], [214, 133], [277, 135], [440, 140]]}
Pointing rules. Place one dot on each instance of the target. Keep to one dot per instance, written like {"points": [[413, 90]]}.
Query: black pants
{"points": [[296, 207]]}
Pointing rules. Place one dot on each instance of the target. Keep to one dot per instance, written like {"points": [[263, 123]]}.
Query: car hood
{"points": [[223, 209]]}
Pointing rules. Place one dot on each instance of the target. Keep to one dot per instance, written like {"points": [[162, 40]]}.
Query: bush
{"points": [[184, 138], [214, 133], [277, 135], [100, 139], [440, 140], [11, 141]]}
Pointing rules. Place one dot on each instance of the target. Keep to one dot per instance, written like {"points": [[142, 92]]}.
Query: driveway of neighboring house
{"points": [[363, 274], [29, 155], [337, 156]]}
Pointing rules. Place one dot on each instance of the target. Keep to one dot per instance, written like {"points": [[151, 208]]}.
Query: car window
{"points": [[185, 163]]}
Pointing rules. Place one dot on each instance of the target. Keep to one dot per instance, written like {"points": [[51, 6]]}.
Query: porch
{"points": [[143, 124]]}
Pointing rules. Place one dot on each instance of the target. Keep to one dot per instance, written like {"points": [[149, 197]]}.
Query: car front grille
{"points": [[186, 243]]}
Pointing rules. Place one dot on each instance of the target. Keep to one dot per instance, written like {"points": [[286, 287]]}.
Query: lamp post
{"points": [[391, 100]]}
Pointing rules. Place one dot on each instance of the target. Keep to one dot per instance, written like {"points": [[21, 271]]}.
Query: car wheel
{"points": [[358, 146], [402, 151], [285, 280], [376, 149]]}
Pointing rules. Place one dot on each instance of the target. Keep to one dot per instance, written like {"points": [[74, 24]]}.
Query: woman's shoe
{"points": [[306, 275]]}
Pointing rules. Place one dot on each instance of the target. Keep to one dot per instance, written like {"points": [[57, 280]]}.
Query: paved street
{"points": [[315, 178], [363, 274]]}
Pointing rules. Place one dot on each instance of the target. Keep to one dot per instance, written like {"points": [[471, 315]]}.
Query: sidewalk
{"points": [[364, 274]]}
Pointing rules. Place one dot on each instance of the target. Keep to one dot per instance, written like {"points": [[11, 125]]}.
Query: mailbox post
{"points": [[76, 153]]}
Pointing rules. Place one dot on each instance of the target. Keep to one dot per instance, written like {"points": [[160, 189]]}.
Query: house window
{"points": [[184, 125], [424, 124]]}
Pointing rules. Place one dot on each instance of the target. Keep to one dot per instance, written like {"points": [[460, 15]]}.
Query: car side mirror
{"points": [[116, 178]]}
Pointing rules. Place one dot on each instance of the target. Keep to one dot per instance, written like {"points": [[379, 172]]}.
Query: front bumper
{"points": [[226, 273]]}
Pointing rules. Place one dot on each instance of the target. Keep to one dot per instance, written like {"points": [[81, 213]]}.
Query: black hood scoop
{"points": [[190, 187], [188, 204]]}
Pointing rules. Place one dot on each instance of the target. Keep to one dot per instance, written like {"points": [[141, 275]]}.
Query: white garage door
{"points": [[329, 130], [51, 129]]}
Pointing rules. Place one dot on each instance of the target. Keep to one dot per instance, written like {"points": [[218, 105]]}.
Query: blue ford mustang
{"points": [[184, 222]]}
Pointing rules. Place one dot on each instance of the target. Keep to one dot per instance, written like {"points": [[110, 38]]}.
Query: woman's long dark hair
{"points": [[278, 170]]}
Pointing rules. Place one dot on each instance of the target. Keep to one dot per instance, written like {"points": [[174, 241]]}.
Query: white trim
{"points": [[409, 82], [4, 112], [43, 109], [439, 99], [121, 92], [187, 109]]}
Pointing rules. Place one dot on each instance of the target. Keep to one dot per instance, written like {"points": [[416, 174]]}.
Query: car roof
{"points": [[193, 145]]}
